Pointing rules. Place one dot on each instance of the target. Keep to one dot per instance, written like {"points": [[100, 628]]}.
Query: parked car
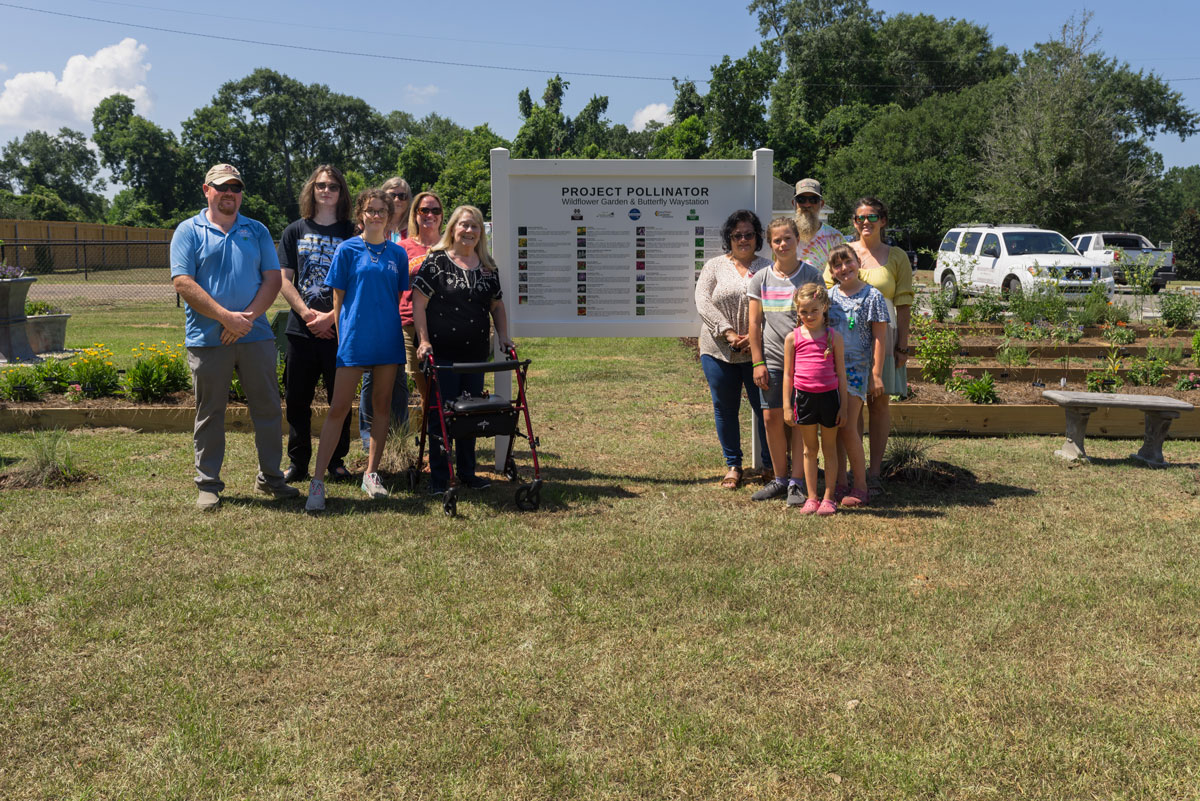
{"points": [[973, 259], [1121, 248]]}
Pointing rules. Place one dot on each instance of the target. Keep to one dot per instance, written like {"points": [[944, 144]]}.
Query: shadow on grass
{"points": [[1114, 461]]}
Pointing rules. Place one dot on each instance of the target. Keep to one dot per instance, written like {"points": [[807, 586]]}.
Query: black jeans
{"points": [[307, 362]]}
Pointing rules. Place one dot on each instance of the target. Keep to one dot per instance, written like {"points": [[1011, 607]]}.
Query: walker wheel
{"points": [[529, 498], [450, 503]]}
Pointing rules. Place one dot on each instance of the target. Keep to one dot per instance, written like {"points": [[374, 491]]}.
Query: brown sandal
{"points": [[733, 479]]}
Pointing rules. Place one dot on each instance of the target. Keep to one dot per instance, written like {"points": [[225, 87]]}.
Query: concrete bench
{"points": [[1159, 411]]}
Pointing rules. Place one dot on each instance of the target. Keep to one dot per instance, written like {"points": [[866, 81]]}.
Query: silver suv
{"points": [[973, 259]]}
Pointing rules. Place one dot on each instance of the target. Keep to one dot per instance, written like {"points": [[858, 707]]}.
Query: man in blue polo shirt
{"points": [[225, 267]]}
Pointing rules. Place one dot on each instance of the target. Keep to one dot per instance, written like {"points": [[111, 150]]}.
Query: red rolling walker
{"points": [[486, 416]]}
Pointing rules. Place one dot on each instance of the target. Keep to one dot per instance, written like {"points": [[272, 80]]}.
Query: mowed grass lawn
{"points": [[1031, 632]]}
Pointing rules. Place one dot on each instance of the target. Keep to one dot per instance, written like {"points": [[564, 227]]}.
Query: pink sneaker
{"points": [[827, 508], [810, 507], [856, 498]]}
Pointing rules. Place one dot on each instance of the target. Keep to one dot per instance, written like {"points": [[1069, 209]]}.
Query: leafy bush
{"points": [[980, 390], [21, 384], [1093, 310], [1196, 348], [1044, 303], [1116, 313], [55, 374], [156, 372], [1146, 372], [990, 307], [95, 373], [1119, 335], [939, 305], [1178, 308], [937, 351], [36, 307], [967, 314]]}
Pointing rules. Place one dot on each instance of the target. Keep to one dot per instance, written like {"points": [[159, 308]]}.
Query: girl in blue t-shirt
{"points": [[864, 329], [368, 275]]}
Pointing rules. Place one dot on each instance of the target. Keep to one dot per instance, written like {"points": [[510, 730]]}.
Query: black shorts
{"points": [[816, 408]]}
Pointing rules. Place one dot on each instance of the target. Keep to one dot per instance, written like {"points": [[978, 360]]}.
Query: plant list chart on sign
{"points": [[610, 247]]}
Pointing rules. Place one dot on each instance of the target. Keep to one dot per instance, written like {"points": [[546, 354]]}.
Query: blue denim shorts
{"points": [[772, 396]]}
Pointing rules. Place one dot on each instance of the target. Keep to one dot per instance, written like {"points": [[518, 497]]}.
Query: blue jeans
{"points": [[725, 382], [399, 405], [452, 385]]}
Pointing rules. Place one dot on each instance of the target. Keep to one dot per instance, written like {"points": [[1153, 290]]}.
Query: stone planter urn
{"points": [[47, 333], [14, 340]]}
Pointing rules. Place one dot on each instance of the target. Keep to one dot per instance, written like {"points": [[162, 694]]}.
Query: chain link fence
{"points": [[83, 273]]}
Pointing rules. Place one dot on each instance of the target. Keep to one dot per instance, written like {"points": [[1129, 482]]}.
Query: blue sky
{"points": [[55, 68]]}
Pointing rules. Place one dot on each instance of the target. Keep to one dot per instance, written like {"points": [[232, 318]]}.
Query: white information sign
{"points": [[613, 247]]}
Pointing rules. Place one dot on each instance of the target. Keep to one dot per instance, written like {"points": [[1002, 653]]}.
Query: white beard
{"points": [[809, 223]]}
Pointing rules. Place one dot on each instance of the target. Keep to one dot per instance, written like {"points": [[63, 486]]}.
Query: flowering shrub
{"points": [[21, 384], [157, 371], [937, 350], [1120, 334], [1190, 381], [93, 370]]}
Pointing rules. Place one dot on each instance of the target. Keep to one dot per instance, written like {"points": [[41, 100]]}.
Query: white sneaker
{"points": [[316, 496], [373, 486]]}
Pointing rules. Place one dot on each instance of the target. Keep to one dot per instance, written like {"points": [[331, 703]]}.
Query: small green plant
{"points": [[36, 307], [937, 351], [990, 307], [981, 390], [21, 384], [1116, 314], [157, 371], [1178, 308], [1102, 381], [1012, 355], [1065, 333], [939, 305], [236, 393], [1189, 382], [93, 370], [1166, 353], [1160, 330], [1146, 372], [55, 374], [1119, 334], [1196, 348], [967, 314]]}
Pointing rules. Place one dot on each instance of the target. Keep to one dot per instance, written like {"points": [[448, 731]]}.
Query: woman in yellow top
{"points": [[888, 269]]}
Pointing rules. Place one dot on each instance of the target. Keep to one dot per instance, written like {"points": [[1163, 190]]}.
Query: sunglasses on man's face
{"points": [[807, 200], [862, 218], [223, 188]]}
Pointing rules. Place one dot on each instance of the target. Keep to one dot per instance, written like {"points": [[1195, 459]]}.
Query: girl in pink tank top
{"points": [[815, 374]]}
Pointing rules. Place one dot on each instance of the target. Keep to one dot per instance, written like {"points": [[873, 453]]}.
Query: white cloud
{"points": [[420, 94], [655, 112], [42, 100], [3, 67]]}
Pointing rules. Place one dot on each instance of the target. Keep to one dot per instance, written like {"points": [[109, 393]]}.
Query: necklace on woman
{"points": [[375, 254]]}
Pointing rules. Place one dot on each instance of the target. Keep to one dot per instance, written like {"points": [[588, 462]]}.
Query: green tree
{"points": [[735, 108], [160, 175], [419, 164], [56, 173], [466, 179], [923, 162], [1058, 145], [1186, 236]]}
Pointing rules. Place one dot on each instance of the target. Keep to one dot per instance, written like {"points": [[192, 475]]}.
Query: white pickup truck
{"points": [[1121, 249]]}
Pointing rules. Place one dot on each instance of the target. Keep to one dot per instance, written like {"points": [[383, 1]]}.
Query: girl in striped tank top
{"points": [[815, 376]]}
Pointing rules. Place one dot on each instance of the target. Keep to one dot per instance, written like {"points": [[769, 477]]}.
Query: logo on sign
{"points": [[692, 215], [662, 214], [634, 214]]}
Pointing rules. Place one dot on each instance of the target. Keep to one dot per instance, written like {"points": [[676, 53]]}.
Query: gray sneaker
{"points": [[279, 493], [774, 489], [316, 496], [795, 495], [208, 501]]}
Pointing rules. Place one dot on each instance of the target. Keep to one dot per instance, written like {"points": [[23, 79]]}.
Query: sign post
{"points": [[613, 248]]}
